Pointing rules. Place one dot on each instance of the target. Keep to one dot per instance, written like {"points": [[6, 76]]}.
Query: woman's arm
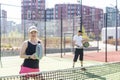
{"points": [[23, 49]]}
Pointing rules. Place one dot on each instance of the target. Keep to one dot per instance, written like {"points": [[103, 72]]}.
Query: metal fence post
{"points": [[106, 38], [116, 28], [61, 32], [0, 36], [45, 32]]}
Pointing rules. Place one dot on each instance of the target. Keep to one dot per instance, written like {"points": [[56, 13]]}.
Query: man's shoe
{"points": [[73, 66], [83, 69]]}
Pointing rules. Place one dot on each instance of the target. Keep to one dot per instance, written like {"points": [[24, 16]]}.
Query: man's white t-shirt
{"points": [[78, 41]]}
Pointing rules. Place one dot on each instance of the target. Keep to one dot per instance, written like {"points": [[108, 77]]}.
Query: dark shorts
{"points": [[78, 53]]}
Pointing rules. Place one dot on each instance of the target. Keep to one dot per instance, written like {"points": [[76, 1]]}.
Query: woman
{"points": [[31, 63]]}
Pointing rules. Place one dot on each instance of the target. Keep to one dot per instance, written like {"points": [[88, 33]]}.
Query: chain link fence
{"points": [[56, 34]]}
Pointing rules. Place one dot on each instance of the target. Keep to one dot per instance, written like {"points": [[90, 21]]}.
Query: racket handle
{"points": [[38, 42]]}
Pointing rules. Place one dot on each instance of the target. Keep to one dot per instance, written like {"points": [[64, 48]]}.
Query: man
{"points": [[78, 44]]}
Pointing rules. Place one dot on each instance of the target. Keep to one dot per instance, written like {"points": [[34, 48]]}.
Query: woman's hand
{"points": [[33, 56]]}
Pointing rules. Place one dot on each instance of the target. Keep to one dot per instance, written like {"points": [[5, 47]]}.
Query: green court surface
{"points": [[56, 68]]}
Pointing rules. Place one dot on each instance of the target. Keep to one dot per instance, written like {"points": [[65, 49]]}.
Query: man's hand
{"points": [[78, 46]]}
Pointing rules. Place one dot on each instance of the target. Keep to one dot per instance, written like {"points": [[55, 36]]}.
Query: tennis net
{"points": [[97, 72]]}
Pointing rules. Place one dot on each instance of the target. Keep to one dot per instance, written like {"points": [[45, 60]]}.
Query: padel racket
{"points": [[86, 44], [39, 52]]}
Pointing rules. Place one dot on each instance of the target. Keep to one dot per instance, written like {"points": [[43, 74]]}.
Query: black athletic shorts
{"points": [[78, 53]]}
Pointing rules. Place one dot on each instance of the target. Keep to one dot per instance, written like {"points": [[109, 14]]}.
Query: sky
{"points": [[14, 12]]}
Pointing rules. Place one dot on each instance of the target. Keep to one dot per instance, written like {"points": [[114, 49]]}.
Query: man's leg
{"points": [[75, 57], [81, 60], [81, 63], [73, 64], [81, 57]]}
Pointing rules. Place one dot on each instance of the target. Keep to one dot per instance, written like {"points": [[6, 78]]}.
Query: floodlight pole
{"points": [[116, 27], [45, 32], [81, 17], [80, 1]]}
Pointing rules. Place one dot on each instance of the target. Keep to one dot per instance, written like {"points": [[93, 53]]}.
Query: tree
{"points": [[85, 36]]}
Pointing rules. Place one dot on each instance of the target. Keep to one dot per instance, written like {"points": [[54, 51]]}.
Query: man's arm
{"points": [[84, 40], [74, 44]]}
